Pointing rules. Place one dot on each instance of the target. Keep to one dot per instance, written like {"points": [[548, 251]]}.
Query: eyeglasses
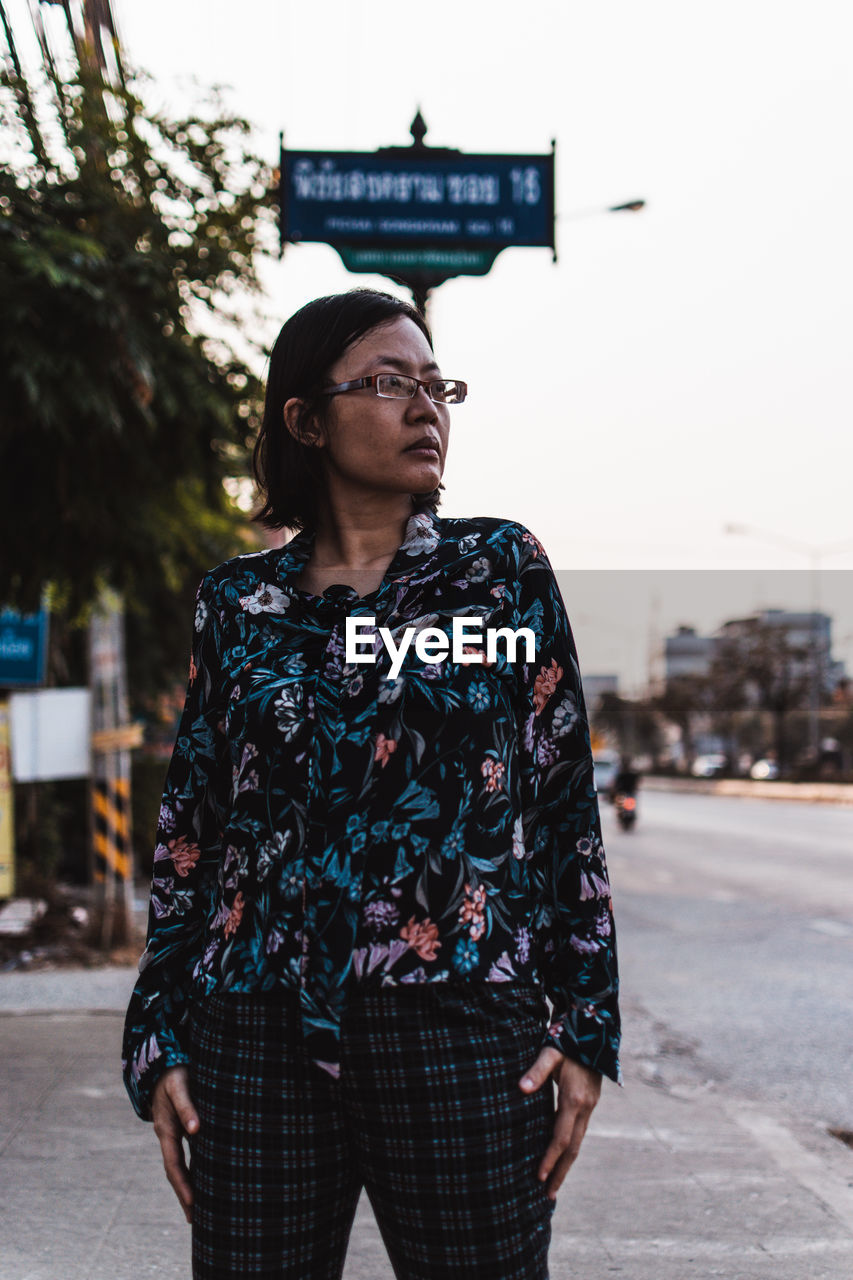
{"points": [[396, 386]]}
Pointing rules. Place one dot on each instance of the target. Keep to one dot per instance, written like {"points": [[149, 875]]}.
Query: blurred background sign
{"points": [[417, 214], [23, 648], [418, 196], [50, 730]]}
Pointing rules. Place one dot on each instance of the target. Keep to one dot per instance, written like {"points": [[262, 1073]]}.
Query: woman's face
{"points": [[385, 445]]}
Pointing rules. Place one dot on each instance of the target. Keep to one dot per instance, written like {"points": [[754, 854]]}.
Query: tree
{"points": [[128, 247], [634, 724], [683, 701], [756, 666]]}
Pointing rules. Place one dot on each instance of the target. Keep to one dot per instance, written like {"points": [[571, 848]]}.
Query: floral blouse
{"points": [[324, 825]]}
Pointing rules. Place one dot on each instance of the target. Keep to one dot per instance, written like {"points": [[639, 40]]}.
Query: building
{"points": [[805, 637], [687, 654], [595, 685]]}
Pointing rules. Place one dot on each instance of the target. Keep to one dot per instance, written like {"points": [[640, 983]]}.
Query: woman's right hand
{"points": [[175, 1118]]}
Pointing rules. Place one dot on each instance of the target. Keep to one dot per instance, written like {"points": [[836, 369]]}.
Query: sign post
{"points": [[23, 658], [418, 214], [7, 826]]}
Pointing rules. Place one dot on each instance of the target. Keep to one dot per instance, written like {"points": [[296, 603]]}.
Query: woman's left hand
{"points": [[578, 1090]]}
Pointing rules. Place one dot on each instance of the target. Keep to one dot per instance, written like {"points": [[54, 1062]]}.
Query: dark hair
{"points": [[289, 473]]}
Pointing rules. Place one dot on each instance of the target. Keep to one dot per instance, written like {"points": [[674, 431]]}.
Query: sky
{"points": [[677, 369]]}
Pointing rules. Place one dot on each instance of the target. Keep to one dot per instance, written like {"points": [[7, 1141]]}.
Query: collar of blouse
{"points": [[420, 542]]}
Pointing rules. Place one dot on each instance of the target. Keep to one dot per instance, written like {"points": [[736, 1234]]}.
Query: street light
{"points": [[630, 206], [814, 554]]}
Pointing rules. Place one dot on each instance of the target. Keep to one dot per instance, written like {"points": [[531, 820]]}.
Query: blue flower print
{"points": [[292, 877], [454, 843], [479, 696], [466, 957]]}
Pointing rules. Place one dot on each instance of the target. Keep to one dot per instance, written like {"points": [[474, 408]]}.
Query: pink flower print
{"points": [[534, 542], [545, 684], [471, 911], [235, 915], [493, 771], [184, 855], [422, 937], [385, 747]]}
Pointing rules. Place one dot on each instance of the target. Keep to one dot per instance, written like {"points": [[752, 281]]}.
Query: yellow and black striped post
{"points": [[112, 740], [111, 805]]}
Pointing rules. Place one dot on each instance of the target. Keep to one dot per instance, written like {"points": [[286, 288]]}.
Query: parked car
{"points": [[605, 768], [709, 766], [764, 771]]}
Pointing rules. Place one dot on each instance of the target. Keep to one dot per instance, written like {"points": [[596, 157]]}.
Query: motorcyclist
{"points": [[626, 781]]}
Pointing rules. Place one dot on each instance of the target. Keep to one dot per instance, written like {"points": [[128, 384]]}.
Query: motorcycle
{"points": [[626, 809]]}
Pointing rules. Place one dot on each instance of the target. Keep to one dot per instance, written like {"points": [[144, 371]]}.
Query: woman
{"points": [[374, 856]]}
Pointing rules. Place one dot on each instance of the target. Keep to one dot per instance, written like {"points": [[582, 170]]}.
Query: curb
{"points": [[840, 793]]}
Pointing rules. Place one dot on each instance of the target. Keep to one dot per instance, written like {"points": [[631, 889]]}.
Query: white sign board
{"points": [[51, 731]]}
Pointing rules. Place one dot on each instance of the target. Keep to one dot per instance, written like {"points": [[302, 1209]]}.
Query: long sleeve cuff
{"points": [[587, 1035], [142, 1071]]}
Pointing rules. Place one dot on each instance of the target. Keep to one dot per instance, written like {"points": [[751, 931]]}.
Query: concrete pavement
{"points": [[675, 1178]]}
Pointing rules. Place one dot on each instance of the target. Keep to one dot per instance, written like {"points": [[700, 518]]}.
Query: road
{"points": [[735, 921], [714, 1162]]}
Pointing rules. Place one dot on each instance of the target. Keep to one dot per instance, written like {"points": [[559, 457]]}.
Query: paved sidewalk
{"points": [[672, 1182]]}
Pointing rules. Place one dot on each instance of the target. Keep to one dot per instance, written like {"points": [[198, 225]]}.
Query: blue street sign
{"points": [[23, 648], [410, 197]]}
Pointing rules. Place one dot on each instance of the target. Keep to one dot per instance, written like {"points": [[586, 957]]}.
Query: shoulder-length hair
{"points": [[288, 472]]}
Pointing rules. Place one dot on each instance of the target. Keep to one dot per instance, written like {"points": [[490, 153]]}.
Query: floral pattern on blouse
{"points": [[324, 825]]}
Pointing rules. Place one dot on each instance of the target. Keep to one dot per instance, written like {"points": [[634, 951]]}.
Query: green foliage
{"points": [[128, 247]]}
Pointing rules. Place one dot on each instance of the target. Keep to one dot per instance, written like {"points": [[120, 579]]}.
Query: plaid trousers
{"points": [[427, 1116]]}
